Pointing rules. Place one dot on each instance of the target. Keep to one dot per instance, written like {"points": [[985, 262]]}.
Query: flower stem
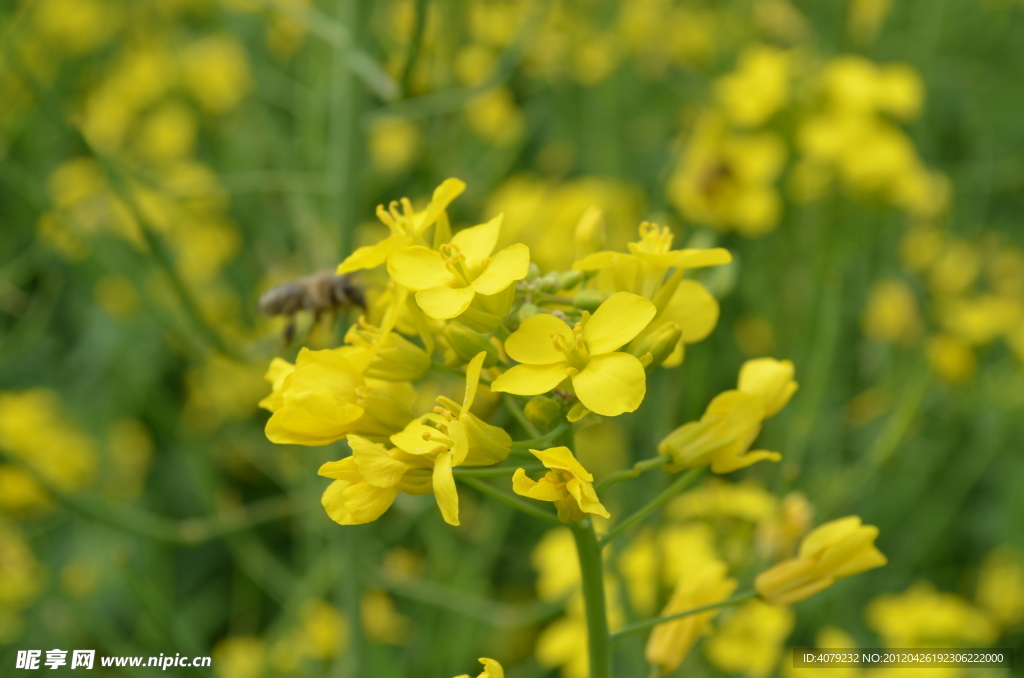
{"points": [[533, 442], [589, 552], [651, 623], [635, 471], [514, 502], [672, 490]]}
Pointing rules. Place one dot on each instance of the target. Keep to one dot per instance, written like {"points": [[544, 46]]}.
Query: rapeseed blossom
{"points": [[585, 356], [833, 551], [566, 483]]}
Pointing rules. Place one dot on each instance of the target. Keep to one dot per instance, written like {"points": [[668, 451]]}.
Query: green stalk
{"points": [[514, 502], [651, 623], [589, 552], [634, 471], [668, 493]]}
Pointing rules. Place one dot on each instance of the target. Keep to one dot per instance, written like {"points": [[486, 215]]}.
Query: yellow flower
{"points": [[452, 436], [567, 484], [492, 669], [830, 552], [726, 180], [670, 642], [605, 380], [924, 617], [891, 313], [733, 420], [769, 379], [366, 483], [324, 398], [407, 227], [642, 270], [216, 71], [758, 88], [750, 641], [1001, 586], [447, 280], [722, 437]]}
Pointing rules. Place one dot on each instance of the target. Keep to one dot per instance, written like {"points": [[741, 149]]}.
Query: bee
{"points": [[320, 293]]}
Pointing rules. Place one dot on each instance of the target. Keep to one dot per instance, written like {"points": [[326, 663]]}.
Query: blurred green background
{"points": [[163, 162]]}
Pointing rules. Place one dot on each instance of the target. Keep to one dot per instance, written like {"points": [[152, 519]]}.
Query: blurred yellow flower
{"points": [[770, 380], [833, 551], [605, 380], [492, 669], [750, 640], [891, 313], [239, 657], [567, 484], [951, 358], [924, 617], [393, 144], [758, 88], [324, 629], [216, 71], [1001, 586], [726, 180], [669, 643]]}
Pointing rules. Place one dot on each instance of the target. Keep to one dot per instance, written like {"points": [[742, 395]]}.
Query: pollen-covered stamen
{"points": [[437, 438], [574, 350], [444, 412], [655, 239], [455, 261]]}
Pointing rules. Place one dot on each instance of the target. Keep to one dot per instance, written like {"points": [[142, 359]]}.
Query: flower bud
{"points": [[769, 379], [589, 300], [570, 279], [549, 283], [533, 271], [542, 410], [590, 233], [525, 311], [832, 551], [467, 343], [659, 344]]}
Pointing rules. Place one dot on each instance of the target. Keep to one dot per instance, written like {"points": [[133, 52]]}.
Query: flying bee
{"points": [[320, 293]]}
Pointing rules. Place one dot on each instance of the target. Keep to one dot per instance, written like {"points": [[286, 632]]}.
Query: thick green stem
{"points": [[598, 645], [672, 490]]}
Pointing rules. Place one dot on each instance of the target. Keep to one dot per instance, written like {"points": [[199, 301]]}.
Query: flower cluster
{"points": [[560, 351]]}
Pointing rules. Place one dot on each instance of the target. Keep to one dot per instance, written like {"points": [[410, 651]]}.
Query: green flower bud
{"points": [[589, 300], [549, 283], [542, 410], [659, 345], [526, 310], [467, 343], [570, 279]]}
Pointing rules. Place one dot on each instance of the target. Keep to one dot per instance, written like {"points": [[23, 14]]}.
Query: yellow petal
{"points": [[525, 486], [366, 503], [373, 256], [507, 266], [333, 501], [449, 190], [419, 268], [460, 441], [601, 260], [344, 469], [444, 303], [616, 322], [411, 440], [698, 258], [561, 458], [472, 379], [692, 308], [531, 343], [492, 669], [444, 488], [586, 500], [611, 384], [477, 242], [531, 379], [376, 466]]}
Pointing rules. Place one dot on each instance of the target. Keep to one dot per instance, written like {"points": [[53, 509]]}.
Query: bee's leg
{"points": [[288, 333]]}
